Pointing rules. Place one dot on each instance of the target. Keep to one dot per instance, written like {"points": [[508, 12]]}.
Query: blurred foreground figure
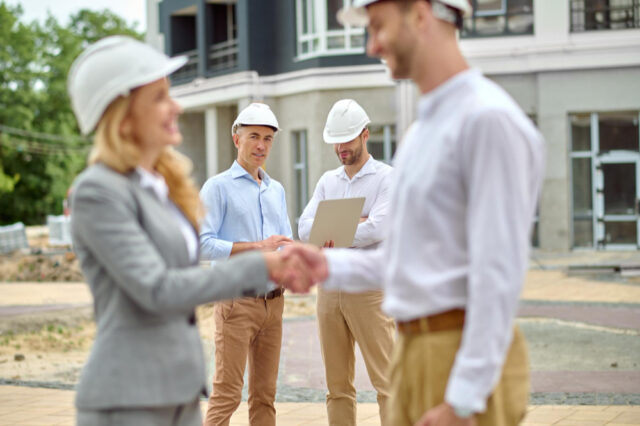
{"points": [[135, 215], [463, 199]]}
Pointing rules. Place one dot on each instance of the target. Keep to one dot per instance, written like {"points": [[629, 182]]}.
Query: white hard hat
{"points": [[256, 114], [109, 68], [356, 15], [345, 122]]}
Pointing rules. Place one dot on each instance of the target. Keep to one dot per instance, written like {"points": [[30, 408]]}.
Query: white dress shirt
{"points": [[158, 185], [465, 187], [372, 181]]}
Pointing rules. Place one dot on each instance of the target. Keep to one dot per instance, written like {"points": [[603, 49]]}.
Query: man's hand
{"points": [[274, 242], [363, 219], [291, 273], [329, 244], [313, 258], [443, 415]]}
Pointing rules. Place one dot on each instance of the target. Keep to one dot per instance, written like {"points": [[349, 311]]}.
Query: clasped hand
{"points": [[297, 267]]}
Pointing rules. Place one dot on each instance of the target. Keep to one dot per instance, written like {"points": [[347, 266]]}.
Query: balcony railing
{"points": [[594, 15], [190, 70], [223, 55]]}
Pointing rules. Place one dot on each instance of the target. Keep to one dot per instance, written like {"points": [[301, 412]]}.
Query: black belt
{"points": [[272, 294]]}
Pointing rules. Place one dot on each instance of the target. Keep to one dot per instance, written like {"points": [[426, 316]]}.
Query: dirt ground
{"points": [[53, 346], [41, 262], [21, 266]]}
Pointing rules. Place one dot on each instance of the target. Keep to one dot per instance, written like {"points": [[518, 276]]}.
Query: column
{"points": [[211, 140]]}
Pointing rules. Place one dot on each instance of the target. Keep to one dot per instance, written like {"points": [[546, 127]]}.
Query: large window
{"points": [[499, 18], [300, 165], [605, 165], [319, 32], [589, 15], [382, 142]]}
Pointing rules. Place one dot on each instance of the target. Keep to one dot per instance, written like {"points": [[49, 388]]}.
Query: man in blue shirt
{"points": [[246, 210]]}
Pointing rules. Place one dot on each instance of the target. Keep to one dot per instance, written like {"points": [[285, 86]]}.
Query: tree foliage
{"points": [[34, 61]]}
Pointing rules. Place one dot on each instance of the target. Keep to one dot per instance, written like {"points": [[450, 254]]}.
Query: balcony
{"points": [[189, 71], [222, 56], [596, 15]]}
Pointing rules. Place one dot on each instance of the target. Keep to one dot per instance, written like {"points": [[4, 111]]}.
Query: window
{"points": [[589, 15], [382, 142], [605, 165], [222, 37], [581, 165], [319, 32], [499, 18], [535, 231], [300, 166], [183, 41]]}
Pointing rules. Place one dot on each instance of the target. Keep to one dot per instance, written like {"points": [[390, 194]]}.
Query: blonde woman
{"points": [[135, 217]]}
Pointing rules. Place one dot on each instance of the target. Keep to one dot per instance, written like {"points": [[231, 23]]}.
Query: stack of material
{"points": [[59, 230], [13, 237]]}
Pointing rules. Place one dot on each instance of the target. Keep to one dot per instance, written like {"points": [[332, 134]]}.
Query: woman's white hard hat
{"points": [[256, 114], [356, 15], [346, 120], [112, 67]]}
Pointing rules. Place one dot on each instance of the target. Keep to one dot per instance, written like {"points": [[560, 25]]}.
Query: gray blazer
{"points": [[147, 351]]}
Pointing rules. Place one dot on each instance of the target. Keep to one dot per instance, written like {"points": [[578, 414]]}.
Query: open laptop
{"points": [[336, 220]]}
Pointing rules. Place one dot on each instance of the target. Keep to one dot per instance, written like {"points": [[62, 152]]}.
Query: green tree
{"points": [[34, 62], [17, 78]]}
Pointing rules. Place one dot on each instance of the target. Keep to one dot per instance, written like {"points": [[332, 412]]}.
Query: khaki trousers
{"points": [[420, 370], [246, 328], [344, 319]]}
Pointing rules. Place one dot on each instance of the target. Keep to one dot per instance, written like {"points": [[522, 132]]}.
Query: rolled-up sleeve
{"points": [[212, 247], [372, 230]]}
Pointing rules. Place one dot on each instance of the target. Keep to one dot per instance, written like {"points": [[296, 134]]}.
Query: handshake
{"points": [[297, 267]]}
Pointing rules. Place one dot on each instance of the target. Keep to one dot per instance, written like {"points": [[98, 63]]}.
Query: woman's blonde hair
{"points": [[122, 154]]}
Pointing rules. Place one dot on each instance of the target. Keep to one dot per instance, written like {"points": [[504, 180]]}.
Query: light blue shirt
{"points": [[241, 210]]}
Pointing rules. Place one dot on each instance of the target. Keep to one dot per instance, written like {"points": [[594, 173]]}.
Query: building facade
{"points": [[572, 65]]}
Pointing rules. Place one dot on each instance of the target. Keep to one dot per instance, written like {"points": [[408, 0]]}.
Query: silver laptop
{"points": [[336, 220]]}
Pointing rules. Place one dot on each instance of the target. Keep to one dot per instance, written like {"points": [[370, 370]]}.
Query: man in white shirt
{"points": [[466, 183], [346, 318]]}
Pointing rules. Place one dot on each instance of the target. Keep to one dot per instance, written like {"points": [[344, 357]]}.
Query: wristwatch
{"points": [[462, 412]]}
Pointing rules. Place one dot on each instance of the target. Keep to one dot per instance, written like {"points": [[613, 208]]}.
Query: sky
{"points": [[130, 10]]}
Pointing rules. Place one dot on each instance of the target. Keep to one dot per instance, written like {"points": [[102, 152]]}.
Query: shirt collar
{"points": [[367, 168], [431, 100], [155, 182], [238, 171]]}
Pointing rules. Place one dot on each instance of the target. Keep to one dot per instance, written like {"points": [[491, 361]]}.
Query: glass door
{"points": [[617, 188]]}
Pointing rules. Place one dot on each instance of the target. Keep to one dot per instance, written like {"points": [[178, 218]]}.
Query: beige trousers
{"points": [[344, 319], [420, 370], [246, 328]]}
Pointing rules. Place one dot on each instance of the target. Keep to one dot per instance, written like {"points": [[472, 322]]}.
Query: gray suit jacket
{"points": [[147, 351]]}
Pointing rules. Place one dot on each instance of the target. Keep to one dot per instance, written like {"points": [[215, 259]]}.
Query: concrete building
{"points": [[572, 65]]}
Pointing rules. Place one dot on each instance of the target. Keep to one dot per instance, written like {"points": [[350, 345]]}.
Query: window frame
{"points": [[318, 34], [388, 138], [300, 146], [580, 14], [503, 12]]}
